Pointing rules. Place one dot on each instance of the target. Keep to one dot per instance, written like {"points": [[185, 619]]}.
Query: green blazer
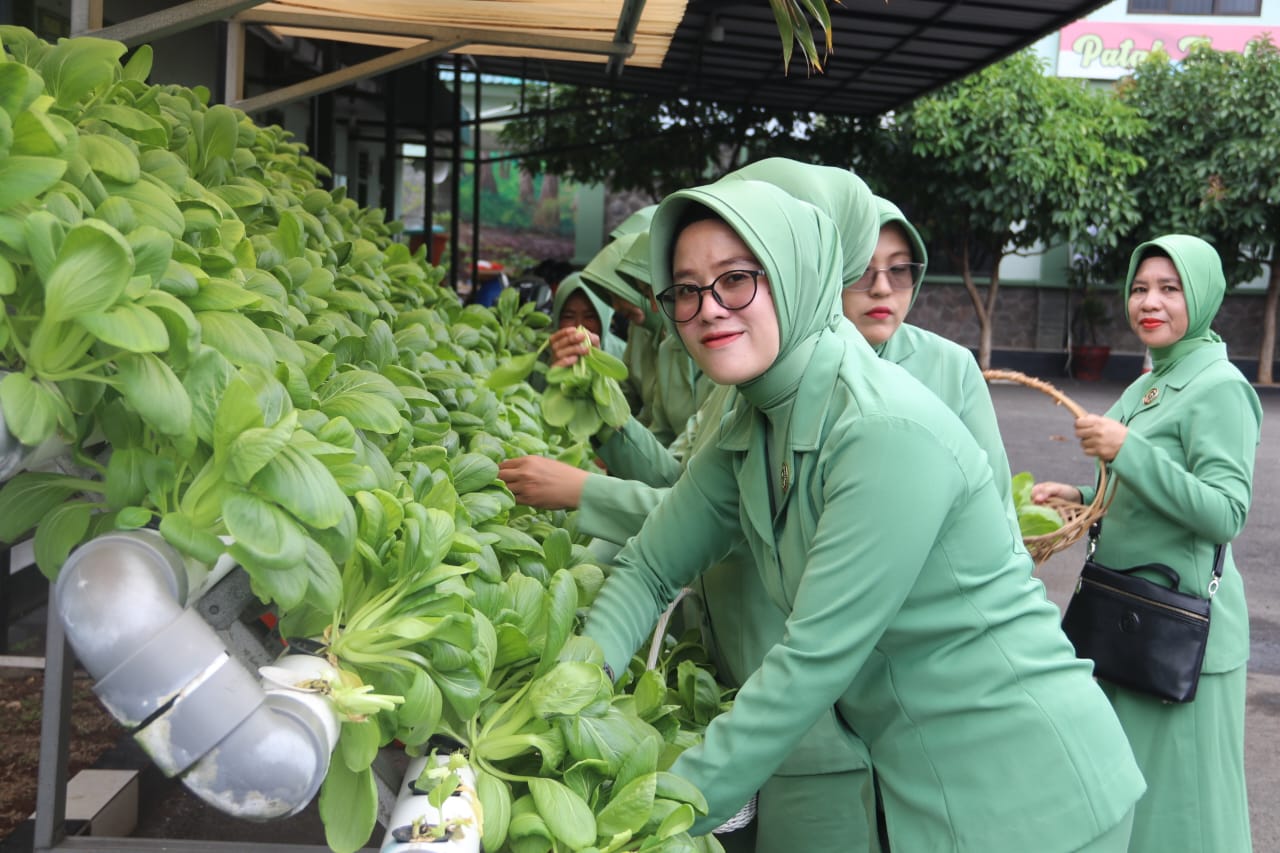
{"points": [[950, 371], [909, 608], [1185, 482], [1185, 470]]}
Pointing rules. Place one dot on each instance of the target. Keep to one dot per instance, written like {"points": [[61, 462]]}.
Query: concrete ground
{"points": [[1039, 438]]}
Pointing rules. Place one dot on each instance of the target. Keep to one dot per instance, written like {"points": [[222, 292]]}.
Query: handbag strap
{"points": [[1096, 528]]}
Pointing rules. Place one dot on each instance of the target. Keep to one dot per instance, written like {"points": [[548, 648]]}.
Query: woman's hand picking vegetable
{"points": [[543, 483], [568, 345]]}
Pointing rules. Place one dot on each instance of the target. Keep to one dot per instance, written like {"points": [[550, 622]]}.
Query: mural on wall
{"points": [[526, 220], [1108, 51], [510, 198]]}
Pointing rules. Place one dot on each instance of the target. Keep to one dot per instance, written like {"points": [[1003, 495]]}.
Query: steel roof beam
{"points": [[628, 22], [176, 19], [442, 41], [493, 38], [350, 74]]}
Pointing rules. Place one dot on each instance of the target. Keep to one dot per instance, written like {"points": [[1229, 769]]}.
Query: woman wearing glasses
{"points": [[872, 518], [877, 297], [877, 304]]}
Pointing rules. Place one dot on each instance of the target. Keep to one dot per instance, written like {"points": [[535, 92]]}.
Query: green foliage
{"points": [[507, 201], [1006, 160], [1033, 519], [275, 378], [657, 145], [1092, 314], [1012, 157], [792, 17], [584, 398], [1213, 151]]}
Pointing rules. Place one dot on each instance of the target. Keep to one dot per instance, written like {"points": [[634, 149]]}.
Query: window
{"points": [[1196, 7]]}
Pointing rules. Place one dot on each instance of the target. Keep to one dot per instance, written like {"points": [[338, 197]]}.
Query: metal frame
{"points": [[86, 19], [440, 40]]}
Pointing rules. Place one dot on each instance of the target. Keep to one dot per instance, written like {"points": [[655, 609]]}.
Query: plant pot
{"points": [[1087, 362]]}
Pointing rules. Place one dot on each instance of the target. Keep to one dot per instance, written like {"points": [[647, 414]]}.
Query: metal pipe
{"points": [[429, 195], [455, 185], [475, 189]]}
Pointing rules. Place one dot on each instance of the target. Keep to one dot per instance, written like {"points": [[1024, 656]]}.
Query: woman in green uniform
{"points": [[739, 623], [575, 305], [877, 304], [1181, 442], [640, 352], [872, 517], [636, 453]]}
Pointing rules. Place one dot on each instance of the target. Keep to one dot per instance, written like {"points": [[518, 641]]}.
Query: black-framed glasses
{"points": [[733, 289], [900, 277]]}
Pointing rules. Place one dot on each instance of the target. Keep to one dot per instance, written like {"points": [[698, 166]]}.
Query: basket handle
{"points": [[1038, 384], [1062, 400]]}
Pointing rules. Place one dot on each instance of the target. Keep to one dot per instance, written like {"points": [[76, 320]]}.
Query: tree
{"points": [[1213, 151], [656, 145], [1005, 161]]}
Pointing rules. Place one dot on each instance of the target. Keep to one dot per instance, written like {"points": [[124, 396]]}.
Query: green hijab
{"points": [[1203, 286], [638, 221], [799, 249], [891, 214], [838, 193], [574, 283], [601, 272], [635, 265]]}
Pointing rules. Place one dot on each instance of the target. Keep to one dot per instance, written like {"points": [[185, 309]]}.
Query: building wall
{"points": [[1036, 318]]}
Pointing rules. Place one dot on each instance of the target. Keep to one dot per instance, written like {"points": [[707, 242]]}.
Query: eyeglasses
{"points": [[733, 290], [900, 276]]}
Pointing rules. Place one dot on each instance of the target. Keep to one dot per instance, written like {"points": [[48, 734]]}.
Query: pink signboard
{"points": [[1108, 51]]}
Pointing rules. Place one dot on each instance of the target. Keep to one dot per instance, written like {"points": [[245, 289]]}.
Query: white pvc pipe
{"points": [[411, 806], [163, 671]]}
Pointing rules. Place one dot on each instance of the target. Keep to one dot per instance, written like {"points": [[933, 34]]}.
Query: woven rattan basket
{"points": [[1076, 517]]}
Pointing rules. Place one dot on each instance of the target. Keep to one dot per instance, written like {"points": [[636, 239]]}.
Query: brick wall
{"points": [[1031, 318]]}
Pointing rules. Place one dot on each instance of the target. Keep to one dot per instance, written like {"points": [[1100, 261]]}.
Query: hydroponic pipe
{"points": [[454, 827], [161, 670]]}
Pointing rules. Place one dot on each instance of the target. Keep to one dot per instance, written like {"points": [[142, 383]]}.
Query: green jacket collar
{"points": [[812, 397], [1148, 395]]}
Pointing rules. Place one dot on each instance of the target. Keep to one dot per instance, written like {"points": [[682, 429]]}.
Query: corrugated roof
{"points": [[886, 52], [539, 24]]}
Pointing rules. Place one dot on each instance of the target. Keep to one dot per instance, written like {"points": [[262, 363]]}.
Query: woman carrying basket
{"points": [[1180, 442], [872, 517]]}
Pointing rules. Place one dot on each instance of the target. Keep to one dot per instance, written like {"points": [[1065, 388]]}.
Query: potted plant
{"points": [[1091, 315]]}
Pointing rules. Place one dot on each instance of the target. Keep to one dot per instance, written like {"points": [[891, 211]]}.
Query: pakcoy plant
{"points": [[251, 364]]}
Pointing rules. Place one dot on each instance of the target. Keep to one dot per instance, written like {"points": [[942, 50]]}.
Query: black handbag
{"points": [[1138, 633]]}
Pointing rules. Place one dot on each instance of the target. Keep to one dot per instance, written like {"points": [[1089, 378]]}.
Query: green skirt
{"points": [[1192, 756], [827, 813]]}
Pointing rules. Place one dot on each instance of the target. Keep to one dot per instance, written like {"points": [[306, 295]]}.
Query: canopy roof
{"points": [[886, 52]]}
